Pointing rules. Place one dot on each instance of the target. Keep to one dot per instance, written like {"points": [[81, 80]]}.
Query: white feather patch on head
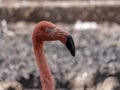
{"points": [[51, 30]]}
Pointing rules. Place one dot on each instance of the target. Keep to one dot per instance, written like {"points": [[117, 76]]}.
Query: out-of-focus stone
{"points": [[111, 83], [84, 80], [99, 86], [80, 88], [91, 88], [10, 86]]}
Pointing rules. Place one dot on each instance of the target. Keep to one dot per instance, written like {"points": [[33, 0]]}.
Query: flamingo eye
{"points": [[51, 30], [48, 30]]}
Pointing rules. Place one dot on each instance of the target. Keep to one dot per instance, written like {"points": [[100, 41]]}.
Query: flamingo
{"points": [[47, 31]]}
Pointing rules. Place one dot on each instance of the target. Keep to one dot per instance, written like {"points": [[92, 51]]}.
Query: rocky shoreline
{"points": [[95, 66]]}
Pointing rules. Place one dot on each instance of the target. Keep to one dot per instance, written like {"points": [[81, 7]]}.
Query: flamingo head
{"points": [[47, 31]]}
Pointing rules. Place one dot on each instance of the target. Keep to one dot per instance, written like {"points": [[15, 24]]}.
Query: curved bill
{"points": [[70, 45]]}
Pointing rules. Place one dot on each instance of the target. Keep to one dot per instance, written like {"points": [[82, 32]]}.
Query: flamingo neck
{"points": [[45, 74]]}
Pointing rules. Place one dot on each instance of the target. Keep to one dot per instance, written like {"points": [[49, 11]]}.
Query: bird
{"points": [[48, 31]]}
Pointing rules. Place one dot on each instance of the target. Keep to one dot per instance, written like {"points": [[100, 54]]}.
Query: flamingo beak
{"points": [[67, 40], [70, 45]]}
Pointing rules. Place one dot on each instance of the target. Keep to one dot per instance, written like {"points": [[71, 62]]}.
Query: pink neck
{"points": [[45, 74]]}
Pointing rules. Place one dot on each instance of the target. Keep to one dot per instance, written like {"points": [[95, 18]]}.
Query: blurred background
{"points": [[95, 28]]}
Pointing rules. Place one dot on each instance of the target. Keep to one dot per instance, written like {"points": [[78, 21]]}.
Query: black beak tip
{"points": [[70, 45], [73, 54]]}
